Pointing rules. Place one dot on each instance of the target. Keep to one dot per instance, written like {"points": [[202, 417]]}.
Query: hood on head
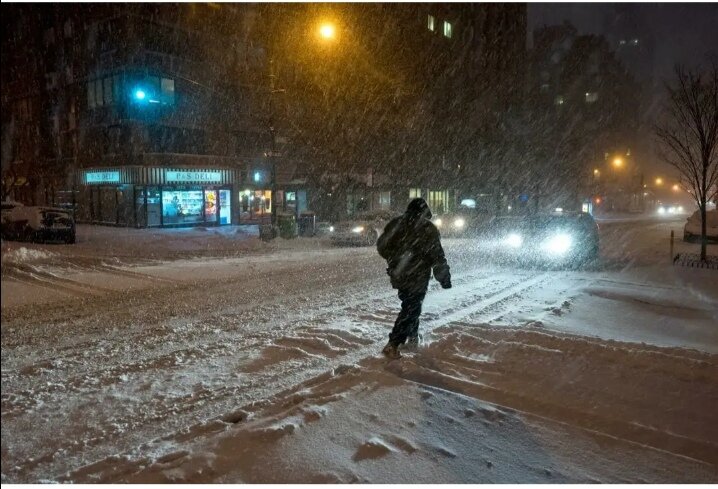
{"points": [[418, 208]]}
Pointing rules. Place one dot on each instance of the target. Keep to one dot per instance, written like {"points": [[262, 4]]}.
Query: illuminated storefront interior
{"points": [[150, 197]]}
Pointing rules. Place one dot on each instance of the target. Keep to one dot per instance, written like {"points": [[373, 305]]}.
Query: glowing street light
{"points": [[675, 187], [618, 162], [596, 172], [327, 31], [659, 181]]}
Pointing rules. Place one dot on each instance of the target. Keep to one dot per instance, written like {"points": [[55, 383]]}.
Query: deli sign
{"points": [[186, 176], [102, 177]]}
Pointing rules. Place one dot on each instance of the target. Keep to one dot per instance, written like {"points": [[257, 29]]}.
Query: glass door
{"points": [[225, 207], [210, 206]]}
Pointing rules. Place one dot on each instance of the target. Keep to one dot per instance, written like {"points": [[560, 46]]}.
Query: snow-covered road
{"points": [[214, 368]]}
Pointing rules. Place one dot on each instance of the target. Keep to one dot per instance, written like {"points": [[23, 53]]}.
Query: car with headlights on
{"points": [[670, 209], [464, 222], [362, 230], [566, 238]]}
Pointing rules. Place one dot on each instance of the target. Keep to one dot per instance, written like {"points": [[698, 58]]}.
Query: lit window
{"points": [[545, 87], [447, 29], [635, 42], [414, 193], [168, 91], [622, 42], [431, 23], [558, 100], [591, 97]]}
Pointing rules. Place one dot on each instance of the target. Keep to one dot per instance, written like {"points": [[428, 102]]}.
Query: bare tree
{"points": [[688, 137]]}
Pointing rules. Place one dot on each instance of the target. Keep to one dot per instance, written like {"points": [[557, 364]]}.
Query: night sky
{"points": [[682, 33]]}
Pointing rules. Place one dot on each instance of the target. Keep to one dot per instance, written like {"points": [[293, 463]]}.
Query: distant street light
{"points": [[659, 181], [676, 188], [618, 162], [596, 172]]}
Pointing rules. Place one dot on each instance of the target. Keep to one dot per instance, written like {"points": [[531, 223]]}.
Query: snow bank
{"points": [[25, 255]]}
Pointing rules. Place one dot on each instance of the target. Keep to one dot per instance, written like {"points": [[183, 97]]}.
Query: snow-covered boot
{"points": [[391, 352], [412, 343]]}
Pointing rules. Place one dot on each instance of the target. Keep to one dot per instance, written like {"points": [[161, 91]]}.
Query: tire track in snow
{"points": [[269, 382]]}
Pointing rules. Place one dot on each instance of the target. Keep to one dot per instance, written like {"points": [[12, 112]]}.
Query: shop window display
{"points": [[182, 206], [210, 205]]}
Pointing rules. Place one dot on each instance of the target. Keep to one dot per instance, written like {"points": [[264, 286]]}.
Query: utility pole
{"points": [[272, 142]]}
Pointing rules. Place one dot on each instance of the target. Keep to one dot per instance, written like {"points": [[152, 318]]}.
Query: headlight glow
{"points": [[459, 223], [661, 210], [558, 244], [331, 229], [680, 209], [514, 240], [358, 229], [437, 222]]}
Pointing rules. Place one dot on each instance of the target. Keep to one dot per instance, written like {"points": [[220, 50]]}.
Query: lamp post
{"points": [[273, 142]]}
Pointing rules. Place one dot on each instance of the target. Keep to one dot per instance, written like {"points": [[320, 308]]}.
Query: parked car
{"points": [[463, 222], [30, 223], [9, 205], [568, 238], [692, 229], [362, 230]]}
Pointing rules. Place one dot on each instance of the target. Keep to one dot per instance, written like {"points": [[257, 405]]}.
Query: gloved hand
{"points": [[446, 284]]}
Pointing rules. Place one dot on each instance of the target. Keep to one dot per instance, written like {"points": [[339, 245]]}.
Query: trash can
{"points": [[307, 224], [287, 224]]}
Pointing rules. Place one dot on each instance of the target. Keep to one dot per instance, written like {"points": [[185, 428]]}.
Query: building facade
{"points": [[158, 114]]}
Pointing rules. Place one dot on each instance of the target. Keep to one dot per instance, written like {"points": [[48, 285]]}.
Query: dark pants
{"points": [[407, 323]]}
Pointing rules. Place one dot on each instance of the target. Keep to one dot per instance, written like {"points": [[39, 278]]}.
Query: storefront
{"points": [[255, 205], [155, 197]]}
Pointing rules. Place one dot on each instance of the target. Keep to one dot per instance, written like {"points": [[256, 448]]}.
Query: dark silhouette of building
{"points": [[160, 114]]}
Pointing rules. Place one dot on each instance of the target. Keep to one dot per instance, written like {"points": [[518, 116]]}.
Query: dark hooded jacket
{"points": [[411, 245]]}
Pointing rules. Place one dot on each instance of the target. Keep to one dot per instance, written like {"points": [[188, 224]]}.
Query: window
{"points": [[545, 87], [103, 92], [107, 90], [98, 93], [431, 23], [91, 95], [23, 108], [438, 201], [414, 193], [167, 88], [558, 100], [384, 200], [183, 207], [591, 97], [447, 29]]}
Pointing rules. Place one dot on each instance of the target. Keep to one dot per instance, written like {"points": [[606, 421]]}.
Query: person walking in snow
{"points": [[411, 245]]}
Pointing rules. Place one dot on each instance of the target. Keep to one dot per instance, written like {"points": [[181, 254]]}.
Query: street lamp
{"points": [[618, 162], [675, 187], [327, 31], [659, 181], [596, 172]]}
